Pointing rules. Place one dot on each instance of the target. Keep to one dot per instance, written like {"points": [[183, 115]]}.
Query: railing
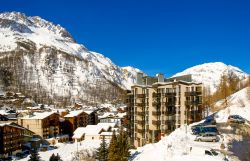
{"points": [[140, 104], [156, 113], [142, 122], [170, 103], [170, 94], [156, 103], [140, 95], [140, 130], [156, 122], [140, 113], [197, 102], [156, 94], [193, 93]]}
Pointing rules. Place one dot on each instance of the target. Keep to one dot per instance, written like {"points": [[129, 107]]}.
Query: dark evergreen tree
{"points": [[119, 147], [123, 145], [54, 157], [34, 156], [113, 149], [102, 151]]}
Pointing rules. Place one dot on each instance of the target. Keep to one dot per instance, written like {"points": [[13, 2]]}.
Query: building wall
{"points": [[33, 125], [156, 110], [11, 139], [46, 128]]}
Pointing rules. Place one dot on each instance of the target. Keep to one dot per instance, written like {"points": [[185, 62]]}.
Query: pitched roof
{"points": [[38, 115], [74, 113], [92, 129]]}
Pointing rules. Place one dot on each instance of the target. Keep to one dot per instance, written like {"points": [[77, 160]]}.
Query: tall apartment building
{"points": [[157, 106]]}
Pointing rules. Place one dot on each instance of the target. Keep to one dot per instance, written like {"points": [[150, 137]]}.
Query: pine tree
{"points": [[113, 149], [54, 157], [123, 145], [34, 156], [102, 151], [119, 147]]}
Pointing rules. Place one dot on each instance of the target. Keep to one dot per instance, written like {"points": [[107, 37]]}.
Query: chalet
{"points": [[75, 119], [11, 138], [94, 132], [44, 124]]}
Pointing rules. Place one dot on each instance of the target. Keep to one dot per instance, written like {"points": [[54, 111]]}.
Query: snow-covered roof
{"points": [[74, 113], [3, 112], [121, 115], [38, 115], [92, 129], [106, 134], [88, 111], [1, 92]]}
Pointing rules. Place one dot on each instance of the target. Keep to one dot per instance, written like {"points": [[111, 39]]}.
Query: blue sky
{"points": [[164, 36]]}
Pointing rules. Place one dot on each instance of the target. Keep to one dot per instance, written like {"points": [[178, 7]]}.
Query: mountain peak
{"points": [[21, 23], [210, 73]]}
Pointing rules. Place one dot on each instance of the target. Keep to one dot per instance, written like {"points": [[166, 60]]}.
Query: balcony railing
{"points": [[142, 122], [140, 95], [156, 103], [170, 103], [156, 94], [193, 93], [156, 113], [141, 113], [197, 102], [170, 94], [156, 122], [140, 104]]}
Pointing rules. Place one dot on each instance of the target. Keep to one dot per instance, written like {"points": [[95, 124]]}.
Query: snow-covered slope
{"points": [[53, 59], [176, 146], [238, 103], [210, 73]]}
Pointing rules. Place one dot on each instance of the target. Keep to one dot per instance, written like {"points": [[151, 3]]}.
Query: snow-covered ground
{"points": [[176, 146], [68, 150]]}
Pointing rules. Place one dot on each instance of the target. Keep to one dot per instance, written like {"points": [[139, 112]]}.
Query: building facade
{"points": [[45, 124], [157, 106], [11, 139]]}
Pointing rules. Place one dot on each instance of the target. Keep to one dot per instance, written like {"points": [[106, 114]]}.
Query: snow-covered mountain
{"points": [[130, 73], [41, 55], [210, 73]]}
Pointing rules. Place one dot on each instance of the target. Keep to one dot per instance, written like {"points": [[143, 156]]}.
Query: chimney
{"points": [[139, 79], [160, 77]]}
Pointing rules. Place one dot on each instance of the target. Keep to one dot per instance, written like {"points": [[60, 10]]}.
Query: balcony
{"points": [[140, 104], [197, 102], [170, 103], [140, 130], [156, 113], [170, 94], [141, 122], [169, 122], [193, 93], [156, 94], [156, 122], [155, 103], [140, 96], [140, 113]]}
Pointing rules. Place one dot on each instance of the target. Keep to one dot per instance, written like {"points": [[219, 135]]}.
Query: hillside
{"points": [[210, 73], [42, 59]]}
